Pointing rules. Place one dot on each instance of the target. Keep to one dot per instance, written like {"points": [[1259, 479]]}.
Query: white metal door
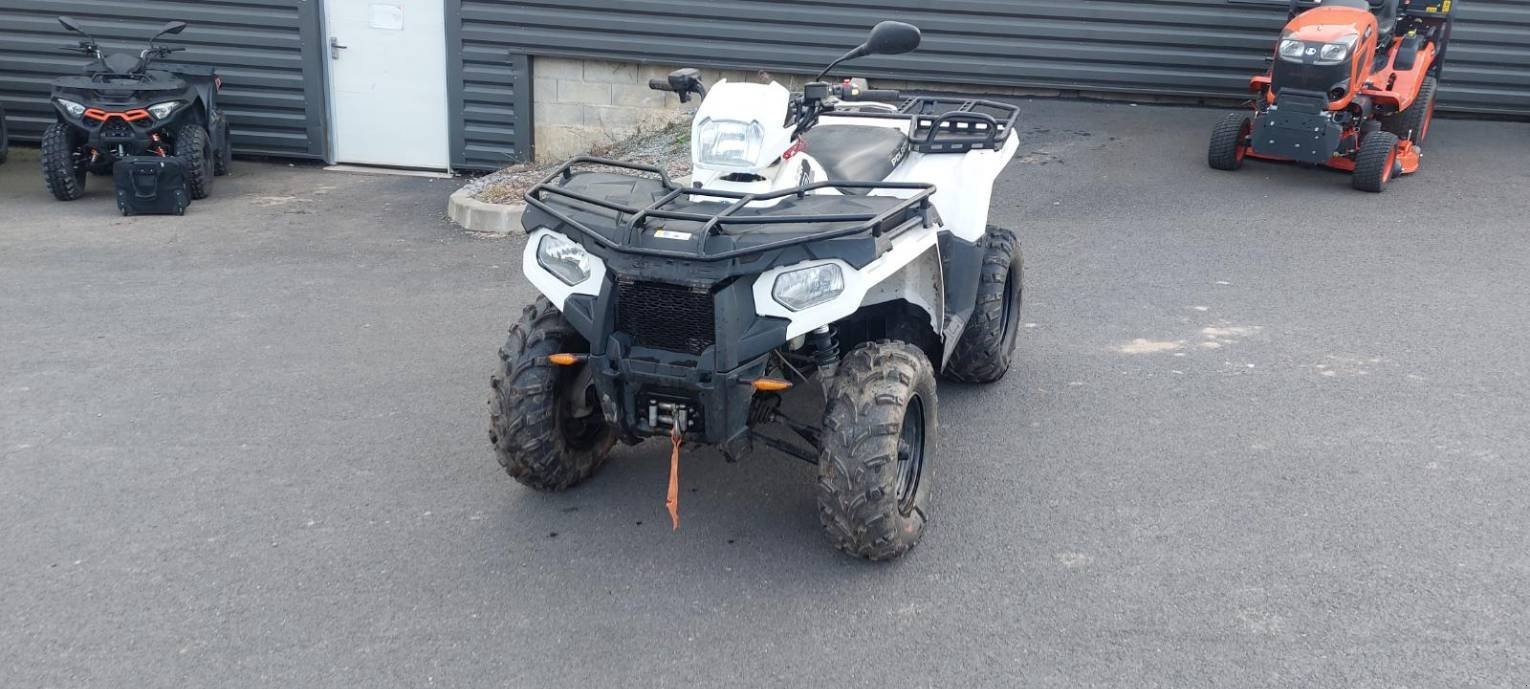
{"points": [[387, 80]]}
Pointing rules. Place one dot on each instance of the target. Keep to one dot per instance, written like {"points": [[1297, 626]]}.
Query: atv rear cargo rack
{"points": [[915, 208], [950, 125]]}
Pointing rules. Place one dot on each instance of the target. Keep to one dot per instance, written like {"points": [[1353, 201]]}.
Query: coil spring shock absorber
{"points": [[825, 354]]}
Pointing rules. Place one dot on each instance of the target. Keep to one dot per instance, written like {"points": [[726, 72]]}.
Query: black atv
{"points": [[128, 105]]}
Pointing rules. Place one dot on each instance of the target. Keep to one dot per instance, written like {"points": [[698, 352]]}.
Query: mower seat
{"points": [[1386, 16], [854, 153]]}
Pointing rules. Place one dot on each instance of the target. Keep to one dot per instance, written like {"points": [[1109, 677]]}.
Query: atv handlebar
{"points": [[682, 82], [162, 51], [853, 93]]}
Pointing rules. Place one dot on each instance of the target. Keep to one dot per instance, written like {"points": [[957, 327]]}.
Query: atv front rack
{"points": [[915, 208], [950, 125]]}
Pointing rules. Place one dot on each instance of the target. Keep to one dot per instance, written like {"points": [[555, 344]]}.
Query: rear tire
{"points": [[193, 146], [1229, 141], [986, 349], [1376, 162], [879, 426], [537, 436], [62, 167], [1413, 124]]}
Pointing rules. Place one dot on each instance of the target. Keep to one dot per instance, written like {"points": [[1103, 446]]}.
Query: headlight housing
{"points": [[163, 110], [565, 259], [70, 107], [1292, 49], [803, 289], [730, 144], [1335, 53]]}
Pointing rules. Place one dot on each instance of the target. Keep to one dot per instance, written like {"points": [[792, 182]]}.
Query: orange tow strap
{"points": [[673, 501]]}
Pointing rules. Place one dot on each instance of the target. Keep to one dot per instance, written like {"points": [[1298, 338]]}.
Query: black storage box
{"points": [[151, 185]]}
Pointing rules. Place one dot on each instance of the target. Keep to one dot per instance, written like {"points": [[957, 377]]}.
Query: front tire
{"points": [[1376, 162], [879, 427], [539, 435], [193, 146], [62, 167], [987, 347], [1229, 141]]}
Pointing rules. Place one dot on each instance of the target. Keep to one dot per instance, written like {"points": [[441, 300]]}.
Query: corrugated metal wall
{"points": [[1172, 47], [269, 53], [490, 92]]}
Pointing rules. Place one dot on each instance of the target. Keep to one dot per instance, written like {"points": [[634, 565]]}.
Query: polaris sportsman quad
{"points": [[128, 105], [838, 247], [1351, 86]]}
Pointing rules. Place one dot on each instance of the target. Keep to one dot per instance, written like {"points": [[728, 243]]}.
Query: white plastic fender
{"points": [[906, 249], [556, 290]]}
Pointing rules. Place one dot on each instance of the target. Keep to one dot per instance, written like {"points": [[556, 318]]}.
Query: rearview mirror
{"points": [[171, 28], [892, 38], [72, 25], [887, 38]]}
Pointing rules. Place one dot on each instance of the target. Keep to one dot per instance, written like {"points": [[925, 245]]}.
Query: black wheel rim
{"points": [[910, 455]]}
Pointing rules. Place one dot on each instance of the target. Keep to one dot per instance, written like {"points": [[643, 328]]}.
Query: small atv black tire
{"points": [[984, 353], [536, 435], [1376, 162], [1229, 141], [225, 153], [1413, 124], [193, 146], [879, 425], [62, 172]]}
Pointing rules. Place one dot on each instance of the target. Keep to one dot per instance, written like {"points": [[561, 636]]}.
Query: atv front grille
{"points": [[664, 316], [116, 129]]}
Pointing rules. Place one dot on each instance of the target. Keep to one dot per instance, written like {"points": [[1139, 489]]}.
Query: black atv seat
{"points": [[853, 153]]}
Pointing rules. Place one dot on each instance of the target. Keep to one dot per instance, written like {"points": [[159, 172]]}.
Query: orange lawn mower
{"points": [[1351, 87]]}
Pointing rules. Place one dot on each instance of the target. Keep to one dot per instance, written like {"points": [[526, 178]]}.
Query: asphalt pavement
{"points": [[1263, 431]]}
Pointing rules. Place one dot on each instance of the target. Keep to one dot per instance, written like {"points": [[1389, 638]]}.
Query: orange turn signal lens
{"points": [[566, 359], [770, 384]]}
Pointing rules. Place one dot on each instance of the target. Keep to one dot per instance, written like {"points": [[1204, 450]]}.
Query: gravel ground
{"points": [[667, 148]]}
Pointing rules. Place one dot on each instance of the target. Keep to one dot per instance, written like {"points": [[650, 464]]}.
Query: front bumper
{"points": [[135, 138], [1297, 134], [639, 389], [639, 381]]}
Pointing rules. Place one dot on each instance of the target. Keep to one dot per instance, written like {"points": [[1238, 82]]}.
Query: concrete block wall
{"points": [[583, 104]]}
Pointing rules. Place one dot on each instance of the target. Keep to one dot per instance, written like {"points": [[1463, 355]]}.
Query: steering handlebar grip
{"points": [[659, 84], [883, 95]]}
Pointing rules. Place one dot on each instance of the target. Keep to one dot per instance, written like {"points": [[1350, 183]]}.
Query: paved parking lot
{"points": [[1265, 431]]}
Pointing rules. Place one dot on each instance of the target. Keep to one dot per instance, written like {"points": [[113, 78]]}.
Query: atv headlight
{"points": [[1292, 49], [70, 107], [809, 287], [162, 110], [564, 259], [730, 144]]}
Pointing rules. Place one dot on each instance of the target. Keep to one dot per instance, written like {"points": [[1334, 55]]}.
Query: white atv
{"points": [[826, 239]]}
